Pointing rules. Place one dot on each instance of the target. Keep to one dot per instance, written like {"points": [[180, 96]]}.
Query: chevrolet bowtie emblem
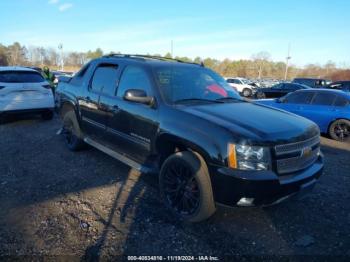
{"points": [[306, 152]]}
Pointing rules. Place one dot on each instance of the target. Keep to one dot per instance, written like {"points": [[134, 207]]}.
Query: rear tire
{"points": [[185, 187], [72, 133], [340, 130]]}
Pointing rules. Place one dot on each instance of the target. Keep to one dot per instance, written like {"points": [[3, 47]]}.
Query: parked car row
{"points": [[312, 82]]}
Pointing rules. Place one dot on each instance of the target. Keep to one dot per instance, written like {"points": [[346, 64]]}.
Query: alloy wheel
{"points": [[342, 131], [181, 189]]}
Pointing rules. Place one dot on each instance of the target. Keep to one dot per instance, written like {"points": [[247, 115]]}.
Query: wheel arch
{"points": [[167, 144]]}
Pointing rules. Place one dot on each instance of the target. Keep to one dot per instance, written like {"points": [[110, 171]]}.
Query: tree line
{"points": [[260, 65]]}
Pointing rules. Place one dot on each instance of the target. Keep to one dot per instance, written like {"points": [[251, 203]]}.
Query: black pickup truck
{"points": [[182, 121]]}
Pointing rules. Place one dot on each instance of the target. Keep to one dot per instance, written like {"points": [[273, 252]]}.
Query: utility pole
{"points": [[60, 47], [287, 62]]}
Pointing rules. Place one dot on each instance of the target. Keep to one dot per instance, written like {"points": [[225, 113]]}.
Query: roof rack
{"points": [[115, 55]]}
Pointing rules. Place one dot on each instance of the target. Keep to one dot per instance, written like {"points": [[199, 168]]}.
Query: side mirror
{"points": [[138, 96]]}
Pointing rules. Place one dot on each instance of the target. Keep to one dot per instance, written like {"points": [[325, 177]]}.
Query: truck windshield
{"points": [[179, 83], [20, 77]]}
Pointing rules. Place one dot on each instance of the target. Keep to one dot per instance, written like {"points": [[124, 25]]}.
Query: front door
{"points": [[132, 126]]}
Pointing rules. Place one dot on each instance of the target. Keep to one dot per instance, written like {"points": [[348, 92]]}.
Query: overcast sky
{"points": [[317, 30]]}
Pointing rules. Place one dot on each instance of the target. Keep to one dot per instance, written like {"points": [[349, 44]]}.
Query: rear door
{"points": [[296, 102], [94, 116], [321, 109], [341, 107]]}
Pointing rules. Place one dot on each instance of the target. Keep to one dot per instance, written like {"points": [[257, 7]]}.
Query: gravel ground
{"points": [[88, 205]]}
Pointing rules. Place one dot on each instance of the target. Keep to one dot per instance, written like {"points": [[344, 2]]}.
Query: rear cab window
{"points": [[105, 79], [21, 77], [78, 78]]}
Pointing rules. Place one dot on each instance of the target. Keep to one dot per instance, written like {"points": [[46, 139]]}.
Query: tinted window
{"points": [[229, 80], [299, 98], [134, 78], [105, 79], [293, 87], [20, 77], [325, 99], [83, 70], [341, 101], [236, 81]]}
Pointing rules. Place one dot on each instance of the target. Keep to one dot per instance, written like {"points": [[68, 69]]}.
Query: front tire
{"points": [[185, 187], [247, 92], [340, 130], [72, 133]]}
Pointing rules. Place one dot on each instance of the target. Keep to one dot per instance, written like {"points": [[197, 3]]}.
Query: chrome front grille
{"points": [[297, 156], [297, 146]]}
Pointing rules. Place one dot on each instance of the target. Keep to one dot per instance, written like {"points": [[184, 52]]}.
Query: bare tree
{"points": [[260, 59]]}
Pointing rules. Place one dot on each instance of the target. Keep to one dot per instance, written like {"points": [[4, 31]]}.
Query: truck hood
{"points": [[254, 123]]}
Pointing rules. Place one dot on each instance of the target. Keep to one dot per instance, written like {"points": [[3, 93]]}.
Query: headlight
{"points": [[246, 157]]}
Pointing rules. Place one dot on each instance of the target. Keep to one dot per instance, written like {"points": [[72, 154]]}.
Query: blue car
{"points": [[329, 109]]}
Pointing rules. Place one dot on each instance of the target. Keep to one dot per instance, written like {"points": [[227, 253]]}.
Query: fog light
{"points": [[246, 202]]}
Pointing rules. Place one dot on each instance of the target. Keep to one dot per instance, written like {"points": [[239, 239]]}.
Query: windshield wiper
{"points": [[198, 99]]}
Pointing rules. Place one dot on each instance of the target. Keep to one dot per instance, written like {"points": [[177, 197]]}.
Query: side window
{"points": [[83, 70], [229, 81], [289, 86], [341, 101], [134, 78], [79, 76], [105, 79], [236, 81], [323, 99], [299, 98]]}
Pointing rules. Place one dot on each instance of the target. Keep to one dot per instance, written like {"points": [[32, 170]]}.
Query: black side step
{"points": [[120, 157]]}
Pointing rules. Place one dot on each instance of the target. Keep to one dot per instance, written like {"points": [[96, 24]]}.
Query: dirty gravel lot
{"points": [[88, 205]]}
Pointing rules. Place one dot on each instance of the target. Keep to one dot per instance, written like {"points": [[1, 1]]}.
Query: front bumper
{"points": [[262, 187]]}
